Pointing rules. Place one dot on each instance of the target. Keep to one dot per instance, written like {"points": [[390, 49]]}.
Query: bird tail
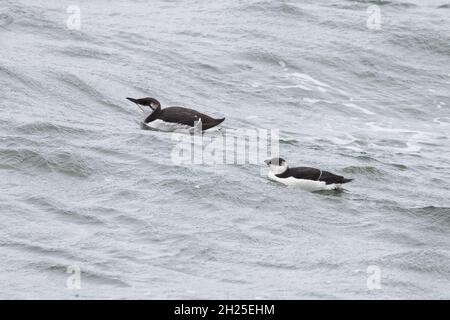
{"points": [[345, 180], [212, 123]]}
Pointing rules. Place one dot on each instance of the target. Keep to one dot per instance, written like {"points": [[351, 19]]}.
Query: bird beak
{"points": [[267, 162], [138, 103], [133, 100]]}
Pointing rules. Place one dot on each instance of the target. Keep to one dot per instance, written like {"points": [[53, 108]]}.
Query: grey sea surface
{"points": [[83, 187]]}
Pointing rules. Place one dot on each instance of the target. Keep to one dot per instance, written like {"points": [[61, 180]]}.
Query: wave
{"points": [[364, 170], [49, 128], [386, 3], [33, 161], [276, 7], [61, 210], [420, 260]]}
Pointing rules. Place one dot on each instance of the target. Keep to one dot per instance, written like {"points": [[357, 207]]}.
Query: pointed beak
{"points": [[267, 162], [138, 103], [133, 100]]}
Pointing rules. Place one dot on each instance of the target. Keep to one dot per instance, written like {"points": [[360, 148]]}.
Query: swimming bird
{"points": [[310, 179], [174, 118]]}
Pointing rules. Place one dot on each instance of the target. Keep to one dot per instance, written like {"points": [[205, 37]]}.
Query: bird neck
{"points": [[279, 169], [152, 116]]}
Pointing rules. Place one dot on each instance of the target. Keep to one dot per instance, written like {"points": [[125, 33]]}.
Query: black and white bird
{"points": [[309, 179], [174, 119]]}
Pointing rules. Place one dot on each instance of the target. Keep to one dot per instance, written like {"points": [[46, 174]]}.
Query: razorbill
{"points": [[174, 118], [310, 179]]}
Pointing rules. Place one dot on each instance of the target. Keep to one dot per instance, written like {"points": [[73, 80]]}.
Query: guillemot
{"points": [[174, 118], [310, 179]]}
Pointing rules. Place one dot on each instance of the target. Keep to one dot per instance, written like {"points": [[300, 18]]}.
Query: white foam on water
{"points": [[356, 107]]}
